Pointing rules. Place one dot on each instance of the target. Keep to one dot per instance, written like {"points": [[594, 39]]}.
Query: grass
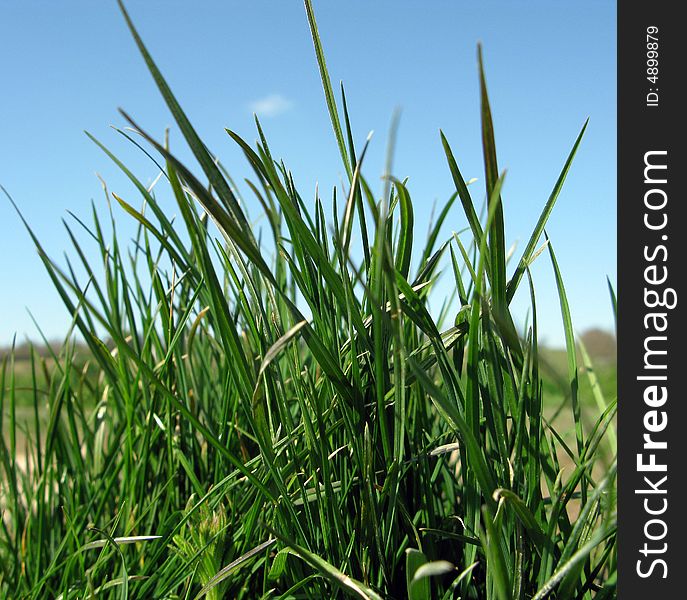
{"points": [[285, 418]]}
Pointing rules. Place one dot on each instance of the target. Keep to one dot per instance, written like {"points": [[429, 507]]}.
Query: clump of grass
{"points": [[300, 425], [203, 541]]}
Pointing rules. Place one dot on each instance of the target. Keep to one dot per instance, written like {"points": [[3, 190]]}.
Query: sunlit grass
{"points": [[287, 418]]}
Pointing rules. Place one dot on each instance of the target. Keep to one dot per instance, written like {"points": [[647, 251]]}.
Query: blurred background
{"points": [[66, 67]]}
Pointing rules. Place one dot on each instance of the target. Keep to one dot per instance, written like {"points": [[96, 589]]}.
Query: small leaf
{"points": [[278, 564], [417, 590]]}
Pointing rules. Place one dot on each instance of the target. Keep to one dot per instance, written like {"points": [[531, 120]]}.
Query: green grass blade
{"points": [[197, 146], [571, 350], [497, 240], [327, 86], [527, 254]]}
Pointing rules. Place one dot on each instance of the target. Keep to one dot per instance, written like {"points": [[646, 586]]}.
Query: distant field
{"points": [[554, 380], [27, 380]]}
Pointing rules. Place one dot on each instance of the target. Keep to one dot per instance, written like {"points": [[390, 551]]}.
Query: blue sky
{"points": [[67, 66]]}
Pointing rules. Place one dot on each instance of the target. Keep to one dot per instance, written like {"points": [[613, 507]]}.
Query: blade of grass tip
{"points": [[472, 388], [533, 467], [347, 224], [146, 371], [274, 351], [405, 238], [414, 560], [597, 392], [148, 225], [463, 193], [425, 277], [359, 196], [472, 393], [389, 163], [327, 86], [347, 123], [279, 345], [308, 241], [178, 245], [543, 219], [603, 567], [8, 454], [496, 562], [460, 287], [197, 146], [477, 462], [380, 281], [323, 355], [571, 353], [227, 571], [330, 572], [13, 410], [433, 234], [580, 555], [457, 581], [614, 303], [497, 241], [585, 518], [466, 261], [227, 224], [36, 410], [370, 198]]}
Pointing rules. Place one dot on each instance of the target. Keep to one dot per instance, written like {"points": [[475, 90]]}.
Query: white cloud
{"points": [[271, 106]]}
